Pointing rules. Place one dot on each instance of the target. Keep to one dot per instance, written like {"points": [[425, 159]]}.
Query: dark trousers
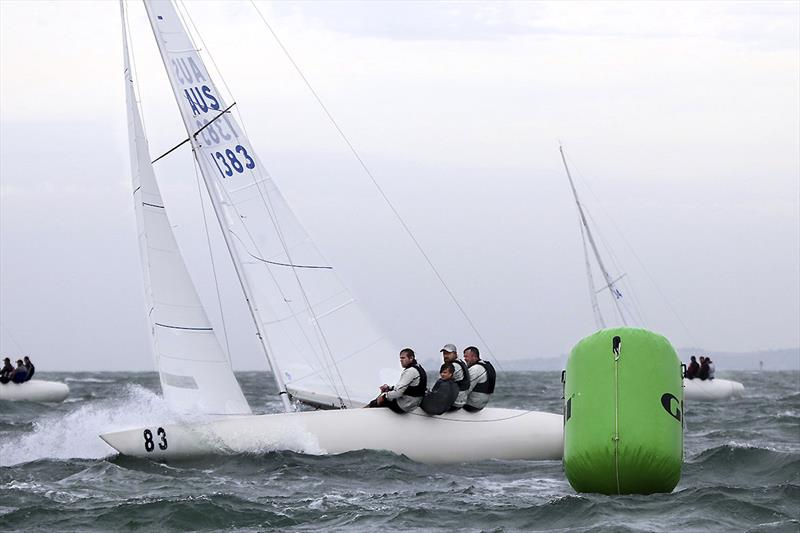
{"points": [[391, 404]]}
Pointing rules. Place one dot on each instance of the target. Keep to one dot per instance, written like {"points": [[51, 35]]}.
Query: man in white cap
{"points": [[461, 375]]}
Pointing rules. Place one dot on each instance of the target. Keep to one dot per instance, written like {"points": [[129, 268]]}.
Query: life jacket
{"points": [[463, 383], [488, 385], [440, 398], [418, 391]]}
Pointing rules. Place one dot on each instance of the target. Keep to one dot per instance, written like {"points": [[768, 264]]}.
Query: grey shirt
{"points": [[409, 378], [477, 374], [458, 375]]}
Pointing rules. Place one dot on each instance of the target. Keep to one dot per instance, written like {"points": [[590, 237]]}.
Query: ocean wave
{"points": [[734, 464]]}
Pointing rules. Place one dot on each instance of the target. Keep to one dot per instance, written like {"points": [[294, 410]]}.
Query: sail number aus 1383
{"points": [[229, 161], [150, 445]]}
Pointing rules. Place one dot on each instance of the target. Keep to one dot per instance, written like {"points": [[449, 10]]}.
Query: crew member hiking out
{"points": [[6, 371], [441, 397], [460, 376], [482, 378], [20, 374], [409, 390], [29, 365], [692, 369]]}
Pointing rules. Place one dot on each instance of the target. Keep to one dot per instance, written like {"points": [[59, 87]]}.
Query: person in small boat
{"points": [[409, 390], [711, 368], [482, 378], [20, 374], [29, 365], [440, 398], [6, 371], [461, 375], [692, 369], [703, 372]]}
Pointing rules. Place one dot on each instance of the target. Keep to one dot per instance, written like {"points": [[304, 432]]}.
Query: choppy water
{"points": [[741, 472]]}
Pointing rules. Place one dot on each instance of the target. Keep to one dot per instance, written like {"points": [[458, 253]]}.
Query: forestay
{"points": [[324, 347], [194, 370]]}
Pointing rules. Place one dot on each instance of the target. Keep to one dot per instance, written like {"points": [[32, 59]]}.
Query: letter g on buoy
{"points": [[666, 402]]}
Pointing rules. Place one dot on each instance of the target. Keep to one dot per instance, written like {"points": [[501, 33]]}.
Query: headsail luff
{"points": [[194, 370], [585, 230], [320, 343]]}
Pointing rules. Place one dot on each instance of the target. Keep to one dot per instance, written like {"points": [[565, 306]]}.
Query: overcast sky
{"points": [[681, 121]]}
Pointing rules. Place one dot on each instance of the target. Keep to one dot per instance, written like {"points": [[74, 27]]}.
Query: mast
{"points": [[224, 223], [610, 283]]}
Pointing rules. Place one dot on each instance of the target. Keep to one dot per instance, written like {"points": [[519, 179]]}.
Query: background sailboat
{"points": [[322, 348], [34, 390], [627, 313]]}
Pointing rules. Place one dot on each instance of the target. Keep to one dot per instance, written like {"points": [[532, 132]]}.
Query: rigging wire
{"points": [[636, 256], [631, 310], [366, 170], [323, 342], [135, 78], [10, 336], [268, 206]]}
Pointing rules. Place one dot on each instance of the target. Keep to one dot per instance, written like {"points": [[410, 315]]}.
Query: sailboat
{"points": [[322, 348], [35, 390], [693, 389]]}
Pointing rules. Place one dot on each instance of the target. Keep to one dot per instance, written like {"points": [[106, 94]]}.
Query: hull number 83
{"points": [[150, 444]]}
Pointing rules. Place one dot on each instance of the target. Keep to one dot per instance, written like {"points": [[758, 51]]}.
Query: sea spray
{"points": [[75, 435]]}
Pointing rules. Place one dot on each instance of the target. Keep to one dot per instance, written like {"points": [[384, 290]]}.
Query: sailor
{"points": [[692, 369], [410, 389], [6, 371], [461, 375], [703, 372], [711, 368], [482, 378], [20, 374], [444, 392], [31, 369]]}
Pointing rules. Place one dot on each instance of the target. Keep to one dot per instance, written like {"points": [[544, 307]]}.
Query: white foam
{"points": [[75, 435]]}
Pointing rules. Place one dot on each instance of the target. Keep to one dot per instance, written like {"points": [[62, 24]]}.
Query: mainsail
{"points": [[321, 346], [195, 372]]}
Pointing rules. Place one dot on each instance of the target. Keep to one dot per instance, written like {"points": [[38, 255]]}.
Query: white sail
{"points": [[194, 370], [318, 340]]}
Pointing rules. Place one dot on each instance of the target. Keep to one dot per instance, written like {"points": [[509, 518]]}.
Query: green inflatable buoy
{"points": [[623, 413]]}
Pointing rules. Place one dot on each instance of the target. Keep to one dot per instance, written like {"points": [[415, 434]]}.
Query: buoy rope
{"points": [[616, 417]]}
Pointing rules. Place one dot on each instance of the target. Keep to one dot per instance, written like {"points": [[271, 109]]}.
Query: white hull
{"points": [[492, 433], [711, 389], [34, 391]]}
